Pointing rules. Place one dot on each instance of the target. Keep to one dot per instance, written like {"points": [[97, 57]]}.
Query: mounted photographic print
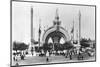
{"points": [[52, 33]]}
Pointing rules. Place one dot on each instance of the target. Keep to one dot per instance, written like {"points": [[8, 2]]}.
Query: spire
{"points": [[31, 25], [57, 16], [39, 31], [56, 21], [72, 27], [31, 22], [39, 27], [79, 25], [79, 30]]}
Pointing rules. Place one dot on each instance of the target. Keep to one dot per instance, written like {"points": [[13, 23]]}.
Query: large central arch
{"points": [[53, 32]]}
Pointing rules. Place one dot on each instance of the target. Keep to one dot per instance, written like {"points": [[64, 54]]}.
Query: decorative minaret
{"points": [[79, 27], [39, 31], [79, 34], [32, 46], [72, 31], [31, 26]]}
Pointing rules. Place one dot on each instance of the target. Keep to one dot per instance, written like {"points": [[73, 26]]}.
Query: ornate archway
{"points": [[55, 34], [56, 31]]}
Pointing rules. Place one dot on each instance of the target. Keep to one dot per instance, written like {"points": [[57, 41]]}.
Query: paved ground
{"points": [[52, 59]]}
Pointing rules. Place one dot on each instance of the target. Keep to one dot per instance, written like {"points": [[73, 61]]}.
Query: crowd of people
{"points": [[80, 54], [66, 53], [19, 54]]}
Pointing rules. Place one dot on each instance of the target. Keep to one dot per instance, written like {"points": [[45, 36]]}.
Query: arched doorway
{"points": [[54, 34], [55, 39]]}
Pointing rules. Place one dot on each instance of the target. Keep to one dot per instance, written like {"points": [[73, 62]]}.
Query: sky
{"points": [[21, 19]]}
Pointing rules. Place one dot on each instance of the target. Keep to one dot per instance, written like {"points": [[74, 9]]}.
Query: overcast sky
{"points": [[46, 12]]}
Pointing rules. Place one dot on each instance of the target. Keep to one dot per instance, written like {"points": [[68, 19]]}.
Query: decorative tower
{"points": [[79, 29], [79, 33], [31, 26], [72, 33], [39, 31], [32, 35], [79, 26]]}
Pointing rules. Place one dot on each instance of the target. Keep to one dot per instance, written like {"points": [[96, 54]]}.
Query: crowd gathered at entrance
{"points": [[46, 51]]}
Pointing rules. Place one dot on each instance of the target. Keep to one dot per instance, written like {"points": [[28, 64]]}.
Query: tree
{"points": [[67, 45], [45, 46], [84, 42], [50, 46], [19, 46], [15, 46], [22, 46], [58, 46]]}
